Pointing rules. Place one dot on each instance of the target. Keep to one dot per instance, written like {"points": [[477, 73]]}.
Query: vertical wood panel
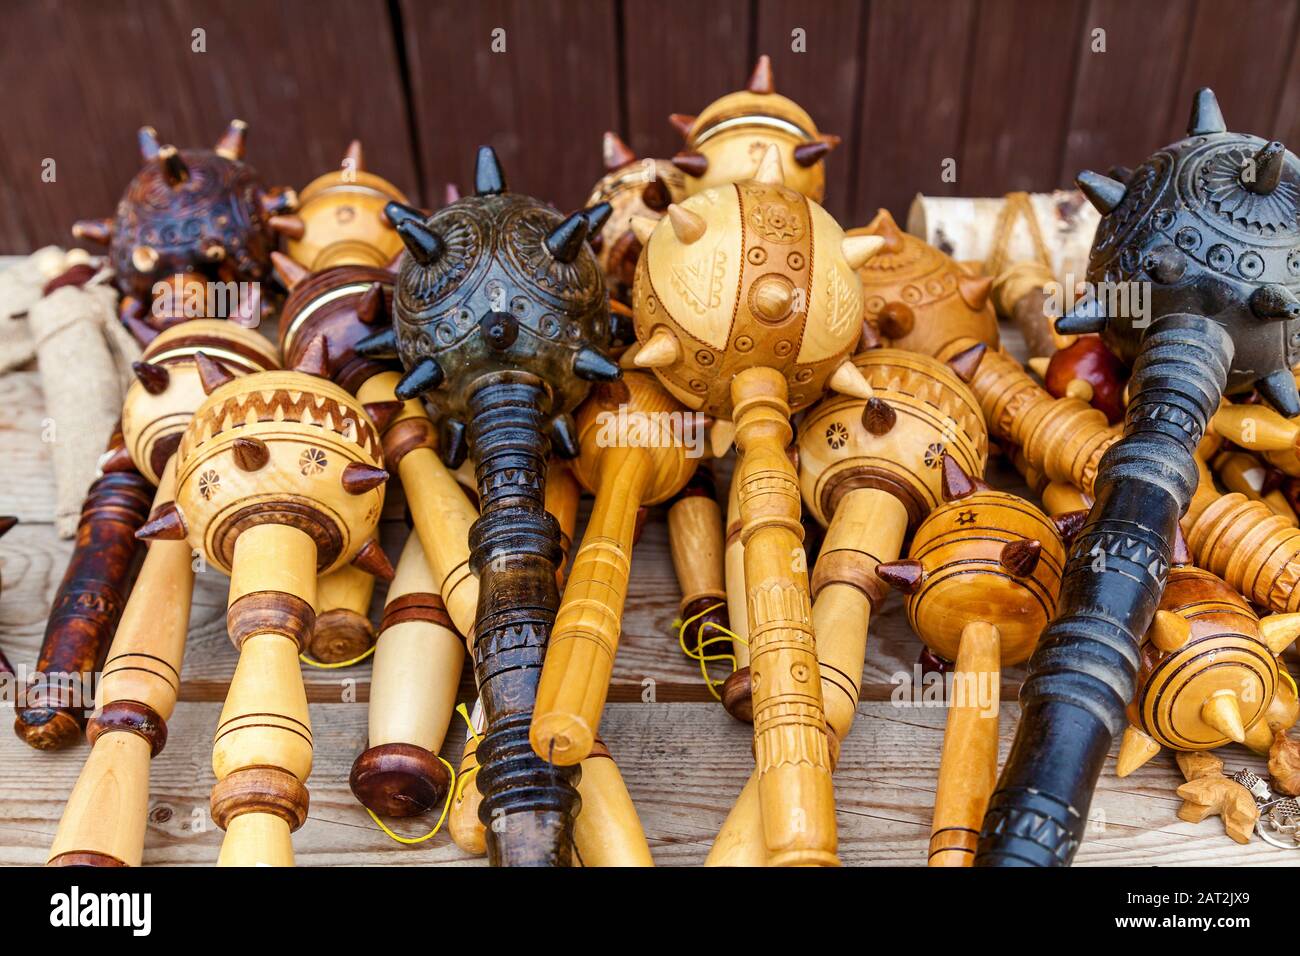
{"points": [[679, 55], [1118, 92], [542, 104], [80, 78], [824, 79], [913, 102], [1240, 49], [1022, 81], [1286, 122]]}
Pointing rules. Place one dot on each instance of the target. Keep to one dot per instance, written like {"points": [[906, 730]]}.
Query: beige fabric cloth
{"points": [[84, 356]]}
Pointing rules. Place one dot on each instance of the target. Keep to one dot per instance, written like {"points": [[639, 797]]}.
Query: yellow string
{"points": [[464, 778], [706, 659], [464, 715], [1290, 680], [321, 665], [446, 807]]}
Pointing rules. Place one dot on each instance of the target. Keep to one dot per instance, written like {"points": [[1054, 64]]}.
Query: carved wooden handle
{"points": [[263, 746], [968, 767], [790, 746], [439, 509], [418, 660], [580, 659], [104, 820], [867, 529], [342, 630], [695, 539], [86, 607]]}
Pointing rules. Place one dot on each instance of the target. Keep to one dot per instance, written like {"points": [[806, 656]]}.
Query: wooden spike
{"points": [[879, 417], [289, 225], [372, 560], [1170, 631], [154, 378], [147, 138], [974, 290], [1223, 713], [687, 225], [1103, 192], [660, 351], [1020, 558], [173, 167], [905, 576], [289, 271], [683, 123], [643, 227], [1206, 116], [564, 242], [167, 524], [93, 230], [251, 454], [212, 374], [144, 258], [721, 437], [231, 144], [489, 179], [1181, 554], [870, 337], [769, 169], [424, 376], [808, 154], [1069, 524], [358, 478], [6, 523], [383, 413], [967, 362], [760, 80], [354, 160], [1039, 364], [954, 482], [315, 358], [1135, 750], [1279, 631], [370, 307], [450, 194], [691, 163], [883, 225], [858, 249], [614, 152], [849, 380], [1256, 427], [592, 365]]}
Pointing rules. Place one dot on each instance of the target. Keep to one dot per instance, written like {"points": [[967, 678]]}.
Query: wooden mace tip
{"points": [[967, 362], [1069, 524], [370, 307], [905, 575], [932, 663], [878, 417], [954, 482], [340, 634], [691, 163], [382, 413], [399, 780], [737, 696], [46, 728], [212, 374], [1020, 558], [6, 524], [315, 358], [708, 625], [154, 378]]}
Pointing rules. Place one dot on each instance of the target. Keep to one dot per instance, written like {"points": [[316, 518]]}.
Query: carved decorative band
{"points": [[270, 612], [128, 716], [260, 790], [416, 606]]}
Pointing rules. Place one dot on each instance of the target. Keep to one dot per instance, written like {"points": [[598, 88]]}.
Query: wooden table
{"points": [[683, 758]]}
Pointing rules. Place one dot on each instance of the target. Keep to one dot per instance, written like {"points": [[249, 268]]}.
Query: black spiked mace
{"points": [[1215, 243]]}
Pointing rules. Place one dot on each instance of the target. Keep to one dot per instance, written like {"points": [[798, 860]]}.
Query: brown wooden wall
{"points": [[1009, 89]]}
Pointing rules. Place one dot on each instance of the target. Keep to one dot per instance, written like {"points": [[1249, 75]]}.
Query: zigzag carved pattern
{"points": [[280, 405]]}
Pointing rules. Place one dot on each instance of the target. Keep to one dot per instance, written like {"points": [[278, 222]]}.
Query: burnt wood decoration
{"points": [[86, 606], [190, 211], [1209, 225], [501, 318]]}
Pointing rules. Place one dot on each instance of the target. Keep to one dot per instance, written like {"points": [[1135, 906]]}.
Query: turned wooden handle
{"points": [[104, 820], [86, 607], [467, 830], [262, 749], [734, 566], [790, 746], [968, 767], [439, 509], [342, 630], [608, 831], [418, 660], [867, 529], [584, 640], [563, 496], [697, 545]]}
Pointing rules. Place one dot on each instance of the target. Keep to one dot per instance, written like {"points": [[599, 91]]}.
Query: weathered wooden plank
{"points": [[822, 77], [307, 75], [1116, 92], [1241, 50], [1021, 81], [677, 61], [683, 763], [916, 60], [542, 103]]}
